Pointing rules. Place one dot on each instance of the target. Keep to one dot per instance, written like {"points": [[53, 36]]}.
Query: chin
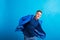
{"points": [[37, 18]]}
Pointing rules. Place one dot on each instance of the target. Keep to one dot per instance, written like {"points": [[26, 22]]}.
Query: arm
{"points": [[41, 33], [23, 21]]}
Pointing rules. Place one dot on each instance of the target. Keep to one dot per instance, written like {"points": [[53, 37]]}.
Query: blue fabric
{"points": [[30, 25], [29, 28], [40, 30], [23, 21]]}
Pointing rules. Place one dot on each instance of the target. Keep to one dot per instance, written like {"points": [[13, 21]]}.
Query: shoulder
{"points": [[28, 16], [25, 19]]}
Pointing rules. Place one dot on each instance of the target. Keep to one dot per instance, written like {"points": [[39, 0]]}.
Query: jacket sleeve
{"points": [[23, 21], [40, 30]]}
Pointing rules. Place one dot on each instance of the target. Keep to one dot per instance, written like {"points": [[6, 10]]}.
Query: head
{"points": [[38, 14]]}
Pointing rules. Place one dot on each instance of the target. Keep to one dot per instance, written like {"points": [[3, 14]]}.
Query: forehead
{"points": [[38, 13]]}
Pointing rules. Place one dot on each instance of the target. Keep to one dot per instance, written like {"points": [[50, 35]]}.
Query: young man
{"points": [[31, 26]]}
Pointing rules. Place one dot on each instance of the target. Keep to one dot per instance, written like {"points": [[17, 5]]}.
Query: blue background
{"points": [[12, 10]]}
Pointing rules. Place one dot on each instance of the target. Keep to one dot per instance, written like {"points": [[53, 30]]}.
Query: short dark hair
{"points": [[39, 11]]}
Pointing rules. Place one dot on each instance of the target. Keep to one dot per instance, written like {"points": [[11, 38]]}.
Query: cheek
{"points": [[38, 15]]}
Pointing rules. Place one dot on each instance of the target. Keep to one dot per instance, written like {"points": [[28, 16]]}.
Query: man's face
{"points": [[38, 15]]}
